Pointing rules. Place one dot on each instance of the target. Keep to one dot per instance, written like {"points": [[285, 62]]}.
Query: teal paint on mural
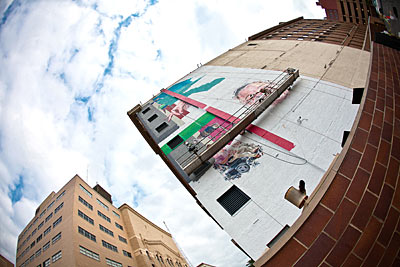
{"points": [[182, 88]]}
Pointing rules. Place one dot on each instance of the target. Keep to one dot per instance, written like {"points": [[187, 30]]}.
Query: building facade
{"points": [[79, 226], [353, 11], [245, 129]]}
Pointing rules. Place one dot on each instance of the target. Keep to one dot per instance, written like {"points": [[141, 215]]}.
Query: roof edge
{"points": [[280, 25], [126, 206]]}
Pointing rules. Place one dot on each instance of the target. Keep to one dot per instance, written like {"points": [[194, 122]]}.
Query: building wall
{"points": [[64, 227], [149, 242], [80, 240], [347, 67], [4, 262], [71, 240], [311, 118]]}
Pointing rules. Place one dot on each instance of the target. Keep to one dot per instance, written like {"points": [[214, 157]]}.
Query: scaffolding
{"points": [[205, 148]]}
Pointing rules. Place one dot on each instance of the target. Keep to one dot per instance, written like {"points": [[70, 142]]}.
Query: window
{"points": [[146, 110], [161, 127], [109, 246], [40, 225], [60, 195], [46, 263], [31, 258], [34, 232], [103, 216], [126, 253], [84, 202], [56, 256], [56, 238], [41, 214], [48, 217], [59, 207], [233, 199], [102, 228], [85, 217], [113, 263], [89, 253], [148, 254], [85, 190], [47, 230], [152, 118], [46, 246], [119, 226], [33, 243], [38, 252], [116, 214], [102, 204], [86, 234], [122, 239], [57, 221], [51, 204], [39, 238]]}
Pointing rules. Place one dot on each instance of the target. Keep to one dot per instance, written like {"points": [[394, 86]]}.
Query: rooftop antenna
{"points": [[177, 245]]}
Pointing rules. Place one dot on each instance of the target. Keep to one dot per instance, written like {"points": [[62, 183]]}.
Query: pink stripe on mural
{"points": [[221, 114], [185, 99], [277, 140], [273, 138]]}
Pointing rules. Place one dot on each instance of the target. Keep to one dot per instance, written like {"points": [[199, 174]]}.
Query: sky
{"points": [[70, 71]]}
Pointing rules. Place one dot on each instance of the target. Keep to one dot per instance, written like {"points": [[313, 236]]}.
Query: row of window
{"points": [[102, 215], [46, 232], [102, 204], [38, 252], [84, 202], [96, 256], [93, 237], [109, 246], [98, 201], [106, 230], [169, 261], [85, 217], [105, 217], [103, 228], [58, 208], [86, 234]]}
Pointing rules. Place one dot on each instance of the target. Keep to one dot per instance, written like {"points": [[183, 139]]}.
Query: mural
{"points": [[236, 159], [253, 92], [202, 124], [213, 130], [177, 107]]}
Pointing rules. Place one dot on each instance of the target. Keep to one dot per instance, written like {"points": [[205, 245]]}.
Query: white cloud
{"points": [[53, 57]]}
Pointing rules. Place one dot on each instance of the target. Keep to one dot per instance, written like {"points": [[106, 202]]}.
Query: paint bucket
{"points": [[296, 197]]}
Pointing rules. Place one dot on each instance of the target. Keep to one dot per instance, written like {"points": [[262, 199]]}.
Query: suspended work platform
{"points": [[201, 152]]}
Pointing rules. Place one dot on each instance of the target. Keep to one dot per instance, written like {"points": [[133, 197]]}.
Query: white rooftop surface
{"points": [[325, 110]]}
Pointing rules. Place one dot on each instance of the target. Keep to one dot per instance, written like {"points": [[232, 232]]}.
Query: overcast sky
{"points": [[70, 71]]}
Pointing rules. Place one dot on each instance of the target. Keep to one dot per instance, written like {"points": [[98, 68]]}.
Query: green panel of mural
{"points": [[191, 130]]}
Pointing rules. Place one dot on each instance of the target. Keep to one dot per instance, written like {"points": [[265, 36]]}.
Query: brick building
{"points": [[242, 131], [79, 226]]}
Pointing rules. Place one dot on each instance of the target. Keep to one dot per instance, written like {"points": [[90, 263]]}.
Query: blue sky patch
{"points": [[82, 99], [11, 8], [153, 2], [90, 114], [158, 57], [16, 194]]}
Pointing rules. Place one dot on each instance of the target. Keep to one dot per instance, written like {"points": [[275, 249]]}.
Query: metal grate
{"points": [[233, 199]]}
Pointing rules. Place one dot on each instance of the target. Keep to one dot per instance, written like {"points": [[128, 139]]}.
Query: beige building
{"points": [[79, 226]]}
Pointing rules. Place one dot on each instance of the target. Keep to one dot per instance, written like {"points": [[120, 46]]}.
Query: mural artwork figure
{"points": [[237, 158]]}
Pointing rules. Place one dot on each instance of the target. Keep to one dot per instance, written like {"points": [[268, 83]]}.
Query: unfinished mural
{"points": [[236, 159]]}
